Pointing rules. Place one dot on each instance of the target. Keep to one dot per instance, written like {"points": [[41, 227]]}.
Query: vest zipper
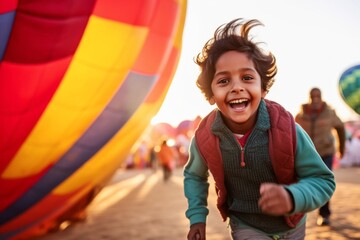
{"points": [[242, 156]]}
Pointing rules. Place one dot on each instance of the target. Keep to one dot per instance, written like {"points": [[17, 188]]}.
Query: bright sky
{"points": [[314, 42]]}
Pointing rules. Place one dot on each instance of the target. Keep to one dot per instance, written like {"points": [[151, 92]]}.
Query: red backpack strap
{"points": [[207, 142], [283, 155], [209, 148], [282, 142]]}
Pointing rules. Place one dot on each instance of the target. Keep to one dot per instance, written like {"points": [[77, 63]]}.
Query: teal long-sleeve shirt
{"points": [[315, 186]]}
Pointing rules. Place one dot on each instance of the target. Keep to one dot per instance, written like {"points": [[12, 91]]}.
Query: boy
{"points": [[267, 172]]}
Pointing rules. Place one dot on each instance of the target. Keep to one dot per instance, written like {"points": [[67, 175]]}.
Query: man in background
{"points": [[318, 119]]}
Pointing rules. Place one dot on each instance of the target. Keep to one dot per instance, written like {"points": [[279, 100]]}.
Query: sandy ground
{"points": [[138, 204]]}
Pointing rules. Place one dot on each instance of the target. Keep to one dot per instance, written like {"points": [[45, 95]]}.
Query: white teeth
{"points": [[237, 101]]}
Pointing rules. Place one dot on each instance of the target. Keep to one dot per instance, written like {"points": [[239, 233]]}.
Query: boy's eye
{"points": [[247, 78], [223, 80]]}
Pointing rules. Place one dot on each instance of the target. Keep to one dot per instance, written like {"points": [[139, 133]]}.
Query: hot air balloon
{"points": [[349, 87], [79, 82]]}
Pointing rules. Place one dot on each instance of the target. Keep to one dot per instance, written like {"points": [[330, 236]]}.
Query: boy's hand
{"points": [[197, 232], [274, 199]]}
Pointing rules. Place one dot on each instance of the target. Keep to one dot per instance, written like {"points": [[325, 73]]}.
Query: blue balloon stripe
{"points": [[6, 23], [110, 121]]}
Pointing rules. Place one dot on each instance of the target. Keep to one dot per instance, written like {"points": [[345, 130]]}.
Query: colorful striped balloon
{"points": [[349, 87], [79, 82]]}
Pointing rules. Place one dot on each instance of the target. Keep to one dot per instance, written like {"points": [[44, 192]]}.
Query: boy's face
{"points": [[237, 91]]}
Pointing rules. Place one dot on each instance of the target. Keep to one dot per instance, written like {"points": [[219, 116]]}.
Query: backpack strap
{"points": [[283, 155], [209, 148], [282, 142]]}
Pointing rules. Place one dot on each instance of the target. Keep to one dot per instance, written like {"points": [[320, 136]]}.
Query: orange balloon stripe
{"points": [[165, 79], [160, 89], [157, 48], [154, 55]]}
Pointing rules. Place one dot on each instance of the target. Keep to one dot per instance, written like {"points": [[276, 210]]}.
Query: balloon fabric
{"points": [[79, 83]]}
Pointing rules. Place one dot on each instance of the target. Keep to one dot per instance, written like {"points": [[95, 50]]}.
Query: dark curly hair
{"points": [[227, 38]]}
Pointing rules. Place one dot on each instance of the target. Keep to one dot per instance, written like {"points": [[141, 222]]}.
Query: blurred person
{"points": [[319, 120], [143, 154], [153, 159], [263, 191], [167, 157], [182, 143]]}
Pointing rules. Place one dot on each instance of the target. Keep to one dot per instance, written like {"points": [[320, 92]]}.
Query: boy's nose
{"points": [[237, 86]]}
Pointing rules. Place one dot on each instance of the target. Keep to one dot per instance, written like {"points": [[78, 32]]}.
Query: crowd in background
{"points": [[145, 152], [351, 156]]}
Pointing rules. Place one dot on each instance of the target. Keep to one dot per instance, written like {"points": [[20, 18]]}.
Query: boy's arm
{"points": [[196, 186], [316, 182]]}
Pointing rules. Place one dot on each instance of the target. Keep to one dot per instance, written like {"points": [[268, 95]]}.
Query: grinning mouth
{"points": [[239, 103]]}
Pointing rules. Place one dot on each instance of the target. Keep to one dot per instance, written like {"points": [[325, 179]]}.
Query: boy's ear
{"points": [[212, 100]]}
